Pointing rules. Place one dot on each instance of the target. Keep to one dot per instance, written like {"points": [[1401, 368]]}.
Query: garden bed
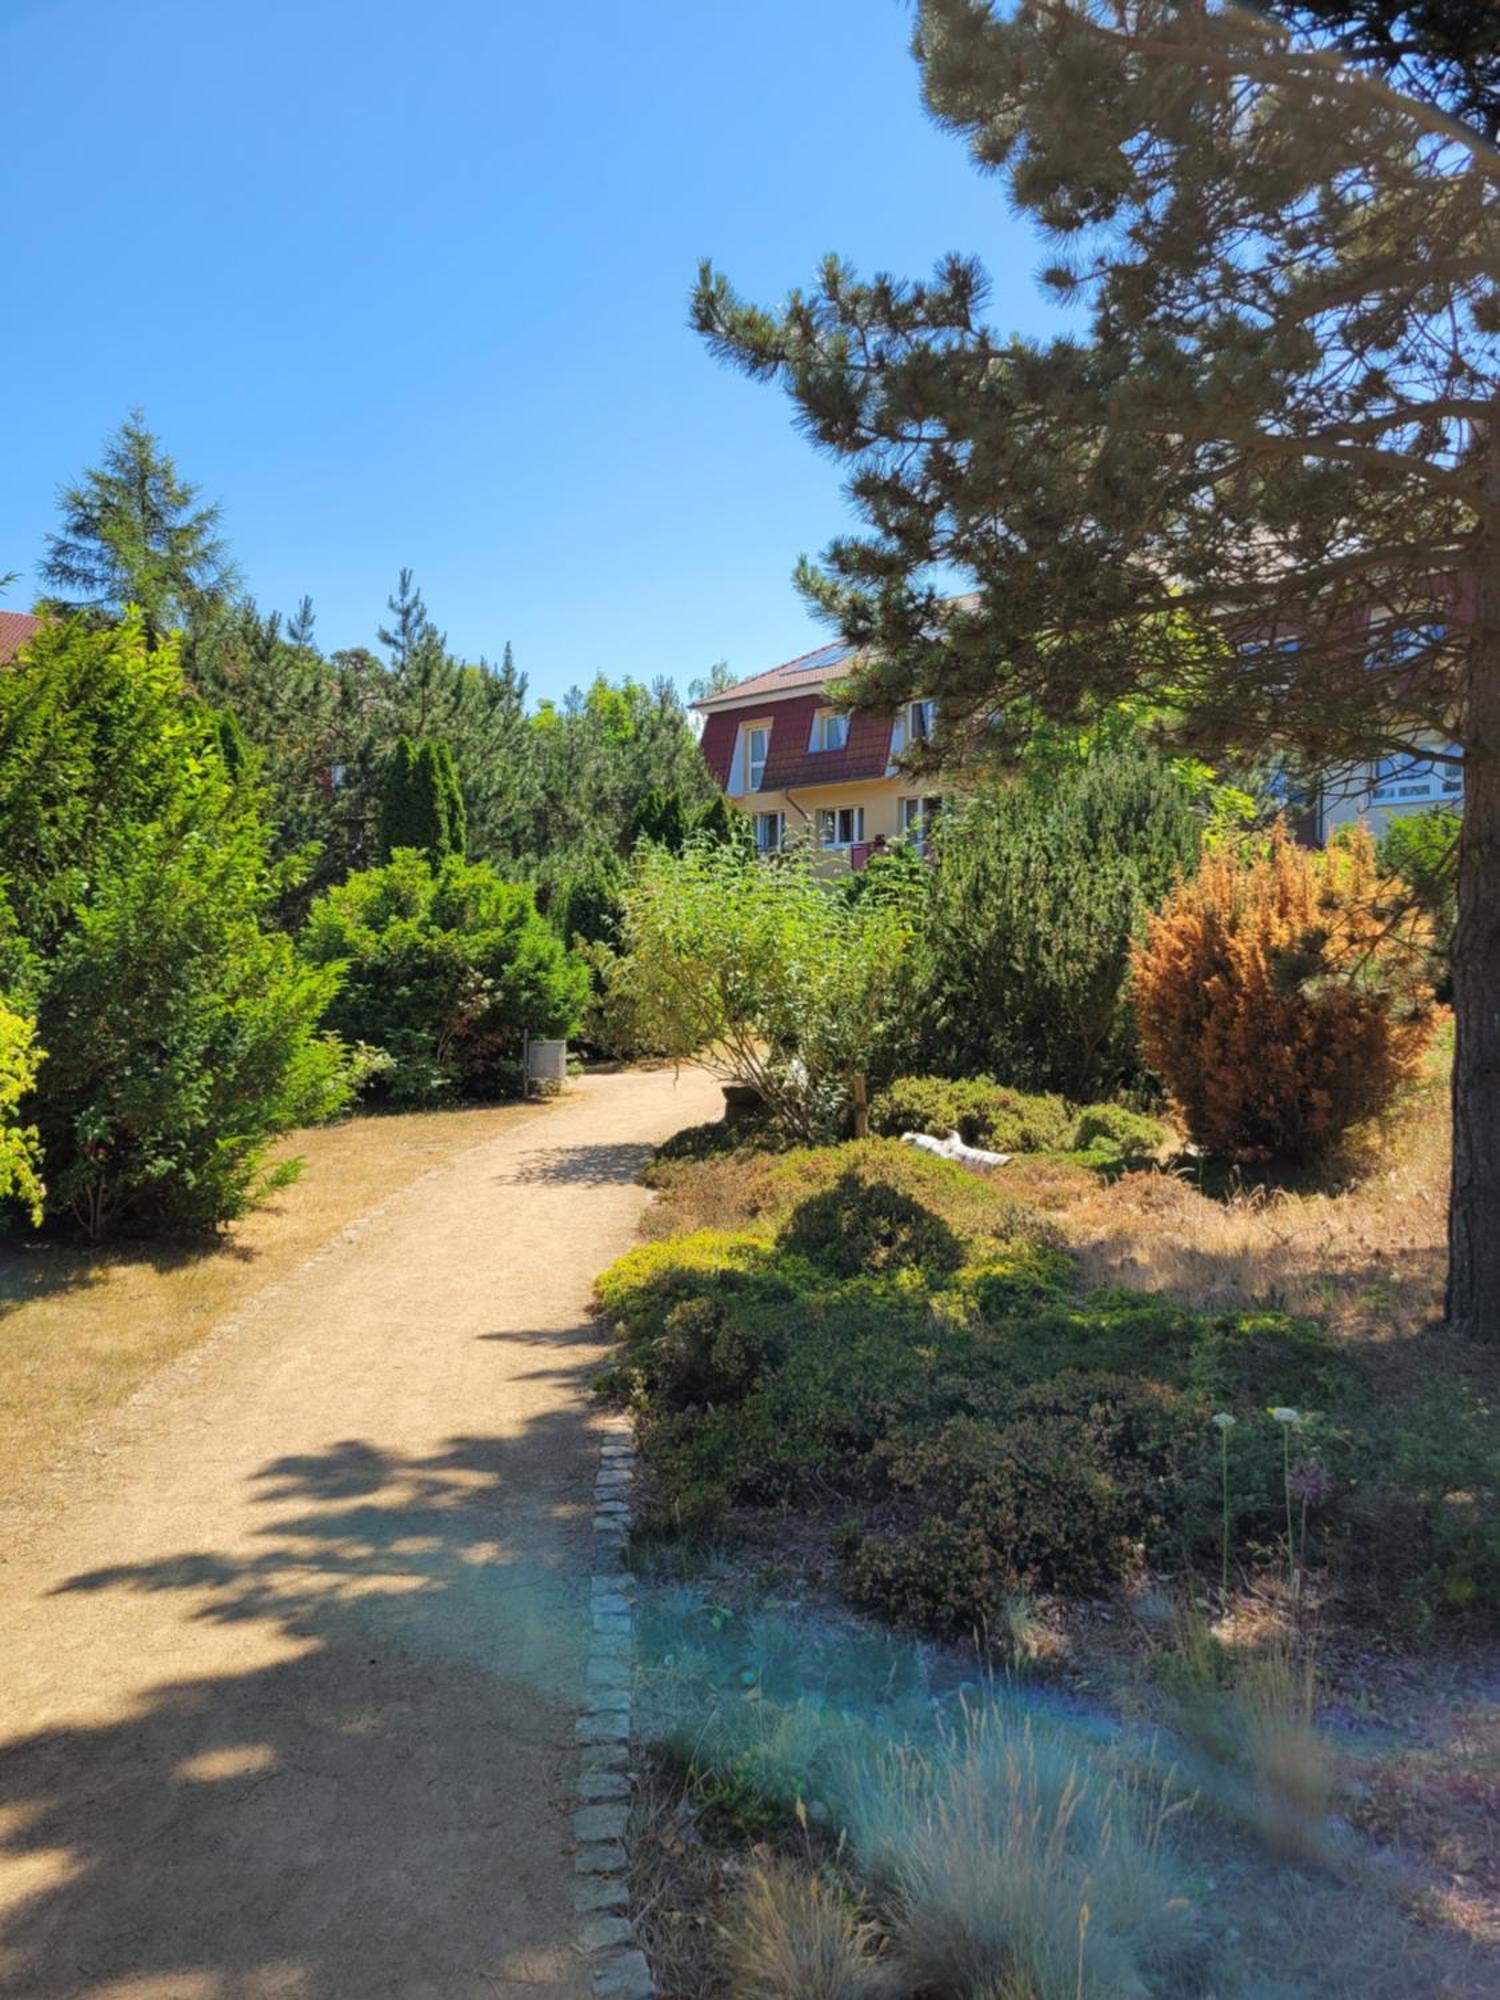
{"points": [[881, 1406]]}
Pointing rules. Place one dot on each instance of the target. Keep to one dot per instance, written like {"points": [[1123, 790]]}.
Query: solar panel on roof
{"points": [[826, 656]]}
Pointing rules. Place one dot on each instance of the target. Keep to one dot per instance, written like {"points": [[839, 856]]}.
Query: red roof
{"points": [[789, 761], [16, 627], [808, 670]]}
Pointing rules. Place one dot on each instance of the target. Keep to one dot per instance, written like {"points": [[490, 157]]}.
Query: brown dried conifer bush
{"points": [[1279, 997]]}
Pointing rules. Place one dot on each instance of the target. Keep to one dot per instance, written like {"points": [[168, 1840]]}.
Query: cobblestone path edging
{"points": [[602, 1894]]}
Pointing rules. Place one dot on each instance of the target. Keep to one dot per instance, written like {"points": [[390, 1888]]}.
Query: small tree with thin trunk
{"points": [[760, 971]]}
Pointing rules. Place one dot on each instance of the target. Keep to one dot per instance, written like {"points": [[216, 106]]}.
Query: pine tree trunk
{"points": [[1474, 1206]]}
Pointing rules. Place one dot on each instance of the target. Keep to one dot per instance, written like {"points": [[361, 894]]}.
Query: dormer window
{"points": [[830, 729], [755, 747], [916, 721]]}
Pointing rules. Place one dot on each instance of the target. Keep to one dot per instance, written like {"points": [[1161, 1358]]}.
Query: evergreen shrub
{"points": [[446, 968], [1277, 1002]]}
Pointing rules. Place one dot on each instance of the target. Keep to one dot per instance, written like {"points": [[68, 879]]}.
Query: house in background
{"points": [[808, 772], [16, 627]]}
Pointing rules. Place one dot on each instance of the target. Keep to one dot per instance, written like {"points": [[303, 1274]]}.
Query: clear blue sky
{"points": [[404, 281]]}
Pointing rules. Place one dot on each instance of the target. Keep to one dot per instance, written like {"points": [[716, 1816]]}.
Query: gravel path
{"points": [[287, 1688]]}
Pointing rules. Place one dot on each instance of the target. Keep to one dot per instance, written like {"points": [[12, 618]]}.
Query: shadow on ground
{"points": [[338, 1821], [614, 1163]]}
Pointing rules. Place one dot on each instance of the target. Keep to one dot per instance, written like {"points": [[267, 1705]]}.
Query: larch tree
{"points": [[1279, 422], [133, 533]]}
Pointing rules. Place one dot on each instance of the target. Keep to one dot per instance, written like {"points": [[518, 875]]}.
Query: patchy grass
{"points": [[83, 1327], [909, 1353], [862, 1372], [894, 1347]]}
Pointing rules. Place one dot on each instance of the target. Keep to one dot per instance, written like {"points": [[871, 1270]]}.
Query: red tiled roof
{"points": [[789, 762], [808, 670], [16, 627]]}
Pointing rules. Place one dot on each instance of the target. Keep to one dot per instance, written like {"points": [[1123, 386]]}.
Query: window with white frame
{"points": [[830, 730], [921, 720], [1401, 780], [841, 826], [755, 747], [918, 817], [770, 832]]}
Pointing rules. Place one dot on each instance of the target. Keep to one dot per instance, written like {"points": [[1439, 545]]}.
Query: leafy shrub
{"points": [[981, 1111], [1040, 893], [446, 968], [1062, 1496], [1002, 1120], [765, 974], [890, 1337], [1113, 1129], [1275, 1002], [181, 1039], [715, 1139], [19, 1144]]}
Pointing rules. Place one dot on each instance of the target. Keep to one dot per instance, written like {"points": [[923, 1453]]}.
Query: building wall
{"points": [[1365, 796]]}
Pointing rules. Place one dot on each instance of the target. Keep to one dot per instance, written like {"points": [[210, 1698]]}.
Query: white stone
{"points": [[601, 1893], [626, 1977], [600, 1822], [607, 1857], [600, 1933], [604, 1785]]}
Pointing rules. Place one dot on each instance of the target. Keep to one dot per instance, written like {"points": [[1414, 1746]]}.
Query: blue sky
{"points": [[404, 281]]}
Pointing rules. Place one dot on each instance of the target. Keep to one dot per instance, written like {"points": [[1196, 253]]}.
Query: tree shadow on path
{"points": [[365, 1811]]}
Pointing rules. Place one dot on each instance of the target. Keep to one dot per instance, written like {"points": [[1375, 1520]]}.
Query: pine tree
{"points": [[421, 805], [442, 773], [1446, 52], [721, 822], [131, 534], [659, 818], [1283, 422]]}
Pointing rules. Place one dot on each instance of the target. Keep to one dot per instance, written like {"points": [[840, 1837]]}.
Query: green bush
{"points": [[1041, 888], [181, 1039], [981, 1111], [445, 968], [181, 1035], [891, 1339], [1002, 1120], [1087, 1475], [1112, 1129], [20, 1180], [765, 974]]}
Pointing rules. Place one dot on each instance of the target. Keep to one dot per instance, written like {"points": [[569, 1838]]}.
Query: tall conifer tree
{"points": [[1282, 420], [133, 533]]}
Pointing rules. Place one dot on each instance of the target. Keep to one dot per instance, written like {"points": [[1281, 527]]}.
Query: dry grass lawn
{"points": [[1364, 1257], [81, 1328]]}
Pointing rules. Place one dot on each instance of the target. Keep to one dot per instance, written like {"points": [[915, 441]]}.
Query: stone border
{"points": [[602, 1893]]}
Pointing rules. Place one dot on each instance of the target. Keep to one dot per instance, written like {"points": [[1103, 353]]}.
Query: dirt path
{"points": [[287, 1688]]}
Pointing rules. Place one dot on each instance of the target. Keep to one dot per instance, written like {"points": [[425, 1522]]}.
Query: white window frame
{"points": [[916, 816], [830, 826], [776, 823], [905, 734], [830, 730], [753, 769]]}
